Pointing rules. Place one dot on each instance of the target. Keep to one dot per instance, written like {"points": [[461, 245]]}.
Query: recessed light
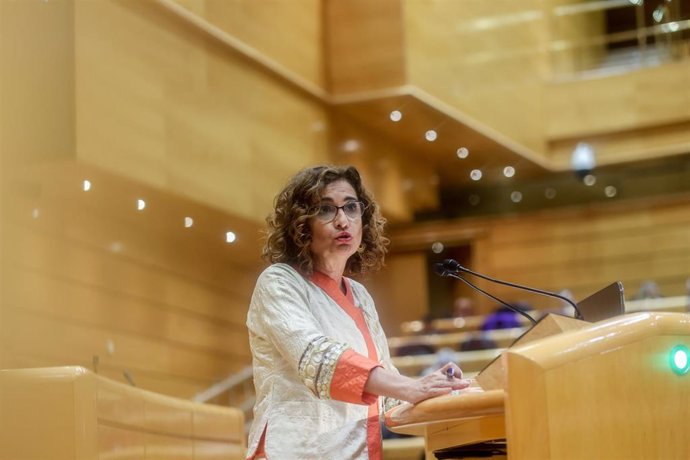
{"points": [[462, 153]]}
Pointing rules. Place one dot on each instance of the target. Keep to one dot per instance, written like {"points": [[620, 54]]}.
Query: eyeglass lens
{"points": [[352, 210]]}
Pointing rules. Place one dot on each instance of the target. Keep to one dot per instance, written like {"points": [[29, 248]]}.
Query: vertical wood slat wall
{"points": [[158, 112], [135, 289]]}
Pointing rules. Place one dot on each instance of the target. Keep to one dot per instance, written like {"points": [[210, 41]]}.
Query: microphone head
{"points": [[440, 269], [452, 265]]}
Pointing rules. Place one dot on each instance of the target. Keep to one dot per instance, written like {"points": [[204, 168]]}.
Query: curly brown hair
{"points": [[288, 238]]}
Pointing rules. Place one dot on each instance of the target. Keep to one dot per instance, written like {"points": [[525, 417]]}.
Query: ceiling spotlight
{"points": [[589, 180], [437, 247], [141, 204], [582, 159], [350, 145], [516, 197], [188, 222], [670, 27], [509, 171], [462, 153], [475, 174], [430, 135], [86, 185], [659, 13], [610, 191], [230, 237], [396, 115]]}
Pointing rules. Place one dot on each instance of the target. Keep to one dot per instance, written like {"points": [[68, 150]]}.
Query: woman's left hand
{"points": [[440, 382], [451, 371]]}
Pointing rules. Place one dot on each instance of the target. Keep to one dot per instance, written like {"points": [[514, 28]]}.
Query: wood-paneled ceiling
{"points": [[487, 151]]}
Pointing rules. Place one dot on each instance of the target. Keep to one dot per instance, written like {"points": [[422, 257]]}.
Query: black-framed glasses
{"points": [[327, 212]]}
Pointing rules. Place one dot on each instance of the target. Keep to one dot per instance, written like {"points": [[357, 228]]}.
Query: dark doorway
{"points": [[444, 291]]}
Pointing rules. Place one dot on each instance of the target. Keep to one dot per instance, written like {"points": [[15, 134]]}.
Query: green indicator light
{"points": [[680, 359]]}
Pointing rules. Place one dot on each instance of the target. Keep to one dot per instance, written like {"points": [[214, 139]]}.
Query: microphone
{"points": [[452, 267], [442, 270]]}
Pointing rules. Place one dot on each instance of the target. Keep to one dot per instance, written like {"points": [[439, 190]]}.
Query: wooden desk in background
{"points": [[474, 323], [501, 337]]}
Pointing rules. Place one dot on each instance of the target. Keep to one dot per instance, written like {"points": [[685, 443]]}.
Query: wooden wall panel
{"points": [[585, 250], [628, 101], [400, 290], [65, 300], [364, 45], [152, 381], [568, 36], [160, 102], [37, 40], [168, 305], [72, 343], [633, 116], [295, 37], [581, 249], [487, 60]]}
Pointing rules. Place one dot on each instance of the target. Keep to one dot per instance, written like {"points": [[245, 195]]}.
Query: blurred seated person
{"points": [[463, 306], [415, 349], [504, 318], [478, 341], [444, 355], [417, 346], [648, 290]]}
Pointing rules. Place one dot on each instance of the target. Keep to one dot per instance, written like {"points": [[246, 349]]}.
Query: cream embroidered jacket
{"points": [[311, 361]]}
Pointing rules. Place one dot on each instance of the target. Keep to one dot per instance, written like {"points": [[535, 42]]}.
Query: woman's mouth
{"points": [[344, 237]]}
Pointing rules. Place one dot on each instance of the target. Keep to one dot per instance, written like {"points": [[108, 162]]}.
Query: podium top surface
{"points": [[604, 335], [465, 404]]}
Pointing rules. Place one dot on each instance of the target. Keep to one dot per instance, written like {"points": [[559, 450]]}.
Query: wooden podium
{"points": [[70, 413], [606, 390]]}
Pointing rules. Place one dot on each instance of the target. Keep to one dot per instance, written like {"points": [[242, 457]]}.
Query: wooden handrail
{"points": [[227, 384]]}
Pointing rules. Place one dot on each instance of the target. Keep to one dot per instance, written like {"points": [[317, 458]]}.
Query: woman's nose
{"points": [[341, 220]]}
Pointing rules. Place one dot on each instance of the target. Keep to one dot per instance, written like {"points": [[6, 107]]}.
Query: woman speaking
{"points": [[322, 370]]}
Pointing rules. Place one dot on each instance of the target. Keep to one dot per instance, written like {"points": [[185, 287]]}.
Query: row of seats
{"points": [[462, 340]]}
